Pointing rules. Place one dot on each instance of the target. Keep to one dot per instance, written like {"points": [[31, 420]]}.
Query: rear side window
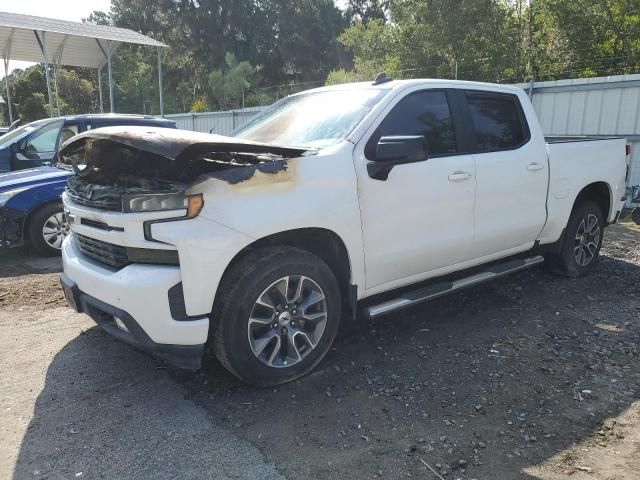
{"points": [[497, 120], [422, 113]]}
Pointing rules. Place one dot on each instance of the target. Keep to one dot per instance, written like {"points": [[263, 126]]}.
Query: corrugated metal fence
{"points": [[592, 106], [583, 106], [222, 123]]}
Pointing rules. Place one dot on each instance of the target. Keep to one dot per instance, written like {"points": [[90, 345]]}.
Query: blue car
{"points": [[30, 206]]}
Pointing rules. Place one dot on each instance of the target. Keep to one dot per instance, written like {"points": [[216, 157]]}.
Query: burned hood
{"points": [[175, 144], [116, 161]]}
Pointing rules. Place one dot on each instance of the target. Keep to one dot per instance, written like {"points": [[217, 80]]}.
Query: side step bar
{"points": [[436, 290]]}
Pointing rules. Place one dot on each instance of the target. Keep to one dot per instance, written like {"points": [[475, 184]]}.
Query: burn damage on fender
{"points": [[114, 161]]}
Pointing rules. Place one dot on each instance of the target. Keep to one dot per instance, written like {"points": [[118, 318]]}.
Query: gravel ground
{"points": [[532, 376]]}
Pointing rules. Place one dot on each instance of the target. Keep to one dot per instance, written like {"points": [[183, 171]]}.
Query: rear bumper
{"points": [[138, 295], [105, 315]]}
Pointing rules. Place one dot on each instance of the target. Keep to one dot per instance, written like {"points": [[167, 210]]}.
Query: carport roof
{"points": [[67, 43]]}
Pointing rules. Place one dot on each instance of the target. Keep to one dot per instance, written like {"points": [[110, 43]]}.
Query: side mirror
{"points": [[396, 150], [15, 147]]}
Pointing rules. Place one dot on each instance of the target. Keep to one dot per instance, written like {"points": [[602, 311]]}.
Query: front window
{"points": [[316, 119]]}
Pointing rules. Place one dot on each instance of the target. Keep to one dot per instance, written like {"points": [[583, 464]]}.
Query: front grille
{"points": [[117, 256], [113, 255]]}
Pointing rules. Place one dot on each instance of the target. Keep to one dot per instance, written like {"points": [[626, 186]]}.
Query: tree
{"points": [[33, 108], [365, 10], [228, 86]]}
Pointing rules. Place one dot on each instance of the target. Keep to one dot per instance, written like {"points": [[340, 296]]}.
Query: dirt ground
{"points": [[532, 376]]}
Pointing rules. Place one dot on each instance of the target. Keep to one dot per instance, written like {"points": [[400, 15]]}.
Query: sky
{"points": [[74, 10]]}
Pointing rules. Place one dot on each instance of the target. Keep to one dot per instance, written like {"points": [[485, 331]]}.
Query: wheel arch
{"points": [[322, 242], [29, 217], [598, 192]]}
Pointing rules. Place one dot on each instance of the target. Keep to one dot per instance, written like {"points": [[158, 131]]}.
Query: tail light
{"points": [[628, 149]]}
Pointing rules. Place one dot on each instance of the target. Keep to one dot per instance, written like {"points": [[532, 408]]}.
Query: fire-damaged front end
{"points": [[144, 243]]}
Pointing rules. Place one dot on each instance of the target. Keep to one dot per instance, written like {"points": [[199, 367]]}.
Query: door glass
{"points": [[67, 132], [496, 120], [45, 139], [422, 113]]}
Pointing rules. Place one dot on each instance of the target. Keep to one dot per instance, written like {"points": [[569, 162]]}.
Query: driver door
{"points": [[39, 149], [421, 218]]}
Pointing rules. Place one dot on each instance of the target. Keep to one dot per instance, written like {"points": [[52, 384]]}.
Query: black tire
{"points": [[565, 262], [240, 289], [635, 215], [36, 225]]}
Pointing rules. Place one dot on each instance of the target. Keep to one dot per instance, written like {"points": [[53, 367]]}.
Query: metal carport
{"points": [[61, 42]]}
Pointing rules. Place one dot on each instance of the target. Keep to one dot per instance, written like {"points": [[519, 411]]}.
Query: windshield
{"points": [[19, 133], [316, 119]]}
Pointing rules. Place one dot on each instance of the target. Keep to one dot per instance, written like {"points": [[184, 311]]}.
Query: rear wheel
{"points": [[47, 229], [581, 243], [635, 215], [276, 315]]}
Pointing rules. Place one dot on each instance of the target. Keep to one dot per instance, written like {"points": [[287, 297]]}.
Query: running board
{"points": [[430, 292]]}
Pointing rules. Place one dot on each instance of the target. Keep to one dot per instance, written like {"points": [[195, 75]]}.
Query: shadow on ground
{"points": [[107, 411]]}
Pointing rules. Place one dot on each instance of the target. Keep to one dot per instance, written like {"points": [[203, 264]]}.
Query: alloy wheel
{"points": [[55, 229], [287, 321], [587, 240]]}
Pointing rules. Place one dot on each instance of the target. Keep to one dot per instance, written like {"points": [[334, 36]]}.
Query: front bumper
{"points": [[11, 227], [182, 356], [138, 295]]}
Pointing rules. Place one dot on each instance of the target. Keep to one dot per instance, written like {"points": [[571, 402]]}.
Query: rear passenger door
{"points": [[511, 174]]}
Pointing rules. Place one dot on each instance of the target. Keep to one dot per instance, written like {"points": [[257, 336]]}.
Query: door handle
{"points": [[459, 176], [534, 167]]}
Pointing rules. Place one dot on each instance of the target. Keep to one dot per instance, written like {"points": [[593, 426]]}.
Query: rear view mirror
{"points": [[401, 149], [396, 150]]}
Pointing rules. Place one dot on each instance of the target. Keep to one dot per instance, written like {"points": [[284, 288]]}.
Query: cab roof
{"points": [[399, 84]]}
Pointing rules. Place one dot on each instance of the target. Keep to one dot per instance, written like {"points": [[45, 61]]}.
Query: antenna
{"points": [[382, 78]]}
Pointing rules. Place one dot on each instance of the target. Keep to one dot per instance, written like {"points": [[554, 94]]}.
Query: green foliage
{"points": [[33, 108], [365, 10], [496, 40], [228, 86], [77, 92], [275, 42], [229, 53], [199, 105]]}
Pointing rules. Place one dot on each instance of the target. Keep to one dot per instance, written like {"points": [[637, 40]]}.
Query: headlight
{"points": [[5, 196], [158, 202]]}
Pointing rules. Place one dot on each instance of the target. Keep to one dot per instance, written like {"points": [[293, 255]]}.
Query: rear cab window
{"points": [[498, 121]]}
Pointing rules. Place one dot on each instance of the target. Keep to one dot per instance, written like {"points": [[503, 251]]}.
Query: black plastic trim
{"points": [[182, 356], [99, 225], [177, 307]]}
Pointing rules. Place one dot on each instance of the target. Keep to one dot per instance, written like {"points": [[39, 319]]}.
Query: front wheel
{"points": [[276, 315], [635, 215], [581, 243]]}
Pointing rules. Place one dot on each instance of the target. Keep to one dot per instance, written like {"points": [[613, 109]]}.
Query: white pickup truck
{"points": [[334, 203]]}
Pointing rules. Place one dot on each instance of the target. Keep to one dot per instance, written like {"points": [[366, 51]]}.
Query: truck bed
{"points": [[576, 138]]}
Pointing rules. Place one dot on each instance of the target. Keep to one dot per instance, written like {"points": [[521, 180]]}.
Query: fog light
{"points": [[120, 324]]}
